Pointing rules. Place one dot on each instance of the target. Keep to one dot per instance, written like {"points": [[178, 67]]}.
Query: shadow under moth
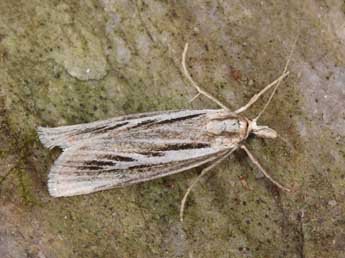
{"points": [[130, 149]]}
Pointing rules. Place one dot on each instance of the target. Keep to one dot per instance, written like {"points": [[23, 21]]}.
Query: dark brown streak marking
{"points": [[103, 130], [149, 121], [100, 129], [151, 153], [89, 130], [99, 163], [182, 146], [137, 168], [98, 168], [143, 167], [116, 157], [82, 169], [178, 119], [185, 164], [119, 171], [123, 173]]}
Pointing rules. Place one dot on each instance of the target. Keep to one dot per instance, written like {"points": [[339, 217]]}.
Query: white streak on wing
{"points": [[61, 136], [170, 156], [141, 159], [59, 185]]}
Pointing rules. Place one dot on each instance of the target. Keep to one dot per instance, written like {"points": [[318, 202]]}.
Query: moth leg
{"points": [[256, 163], [196, 86], [203, 172]]}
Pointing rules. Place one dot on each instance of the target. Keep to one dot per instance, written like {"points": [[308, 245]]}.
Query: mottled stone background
{"points": [[67, 62]]}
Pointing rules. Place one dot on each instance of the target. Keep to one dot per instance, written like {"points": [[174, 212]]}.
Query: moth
{"points": [[136, 148]]}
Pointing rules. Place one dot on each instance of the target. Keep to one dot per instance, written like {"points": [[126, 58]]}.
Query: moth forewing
{"points": [[67, 136], [75, 174]]}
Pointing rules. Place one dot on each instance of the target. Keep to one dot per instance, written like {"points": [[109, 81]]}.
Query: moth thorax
{"points": [[225, 126]]}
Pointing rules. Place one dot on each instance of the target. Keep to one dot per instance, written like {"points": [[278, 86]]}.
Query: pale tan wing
{"points": [[67, 136], [107, 163]]}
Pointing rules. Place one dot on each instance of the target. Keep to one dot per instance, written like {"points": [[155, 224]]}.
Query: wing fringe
{"points": [[47, 137]]}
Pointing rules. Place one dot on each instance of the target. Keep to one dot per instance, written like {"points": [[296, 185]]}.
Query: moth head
{"points": [[263, 131]]}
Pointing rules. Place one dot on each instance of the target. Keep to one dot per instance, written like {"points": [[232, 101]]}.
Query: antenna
{"points": [[276, 87]]}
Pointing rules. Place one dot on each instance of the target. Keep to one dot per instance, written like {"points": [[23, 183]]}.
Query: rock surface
{"points": [[68, 62]]}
